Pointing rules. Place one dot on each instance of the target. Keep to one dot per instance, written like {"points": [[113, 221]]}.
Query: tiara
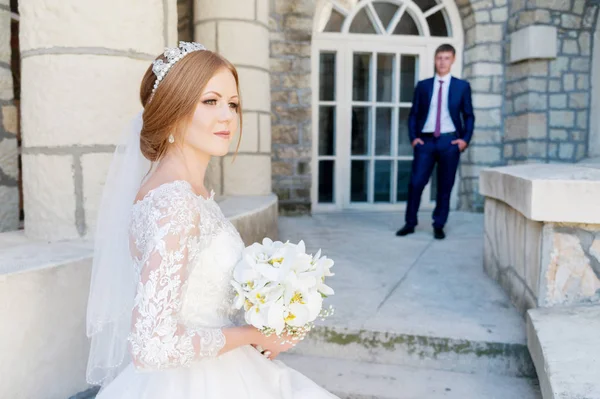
{"points": [[160, 68]]}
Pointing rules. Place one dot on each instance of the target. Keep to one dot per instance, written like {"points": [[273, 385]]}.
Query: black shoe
{"points": [[438, 233], [406, 230]]}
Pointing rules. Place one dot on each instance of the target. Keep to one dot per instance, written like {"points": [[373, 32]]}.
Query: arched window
{"points": [[391, 17]]}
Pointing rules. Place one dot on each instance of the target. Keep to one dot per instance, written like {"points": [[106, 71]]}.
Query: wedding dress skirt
{"points": [[242, 373]]}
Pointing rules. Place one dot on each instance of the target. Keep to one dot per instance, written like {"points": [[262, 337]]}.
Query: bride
{"points": [[160, 312]]}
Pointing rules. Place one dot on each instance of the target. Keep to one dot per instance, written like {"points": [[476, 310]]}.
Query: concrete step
{"points": [[361, 380], [450, 354], [566, 350]]}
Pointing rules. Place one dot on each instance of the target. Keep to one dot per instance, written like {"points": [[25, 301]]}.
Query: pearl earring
{"points": [[171, 139]]}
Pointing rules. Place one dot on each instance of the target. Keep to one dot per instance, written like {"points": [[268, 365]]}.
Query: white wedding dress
{"points": [[184, 251]]}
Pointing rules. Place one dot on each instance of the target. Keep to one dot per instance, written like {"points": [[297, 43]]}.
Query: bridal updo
{"points": [[174, 101]]}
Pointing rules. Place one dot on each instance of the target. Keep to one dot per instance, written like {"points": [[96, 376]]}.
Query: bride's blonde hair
{"points": [[174, 101]]}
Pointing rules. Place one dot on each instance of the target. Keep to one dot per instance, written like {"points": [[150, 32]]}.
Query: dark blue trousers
{"points": [[446, 155]]}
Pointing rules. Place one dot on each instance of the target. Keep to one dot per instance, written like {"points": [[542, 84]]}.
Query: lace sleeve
{"points": [[158, 339]]}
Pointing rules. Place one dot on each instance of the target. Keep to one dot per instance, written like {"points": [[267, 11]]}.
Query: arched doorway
{"points": [[366, 58]]}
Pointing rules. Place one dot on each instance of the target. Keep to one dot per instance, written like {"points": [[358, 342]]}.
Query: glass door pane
{"points": [[408, 77], [383, 177], [383, 131], [361, 130], [361, 73], [326, 181], [327, 77], [404, 145], [327, 127], [385, 76], [409, 68], [402, 180], [326, 130], [359, 177]]}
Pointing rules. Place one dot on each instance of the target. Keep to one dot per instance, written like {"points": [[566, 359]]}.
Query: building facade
{"points": [[342, 73], [327, 86]]}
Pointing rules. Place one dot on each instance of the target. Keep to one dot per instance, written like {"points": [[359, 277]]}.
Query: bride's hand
{"points": [[273, 345]]}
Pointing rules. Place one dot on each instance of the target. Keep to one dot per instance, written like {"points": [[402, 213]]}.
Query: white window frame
{"points": [[344, 44]]}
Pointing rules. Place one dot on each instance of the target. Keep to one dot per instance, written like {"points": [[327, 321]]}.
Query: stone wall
{"points": [[548, 100], [572, 267], [542, 233], [512, 252], [185, 20], [541, 264], [291, 24], [82, 65], [239, 31], [9, 171], [484, 23]]}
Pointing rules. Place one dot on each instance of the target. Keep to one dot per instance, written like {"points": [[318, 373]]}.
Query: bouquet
{"points": [[282, 288]]}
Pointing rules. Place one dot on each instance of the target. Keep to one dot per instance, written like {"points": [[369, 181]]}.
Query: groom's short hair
{"points": [[445, 48]]}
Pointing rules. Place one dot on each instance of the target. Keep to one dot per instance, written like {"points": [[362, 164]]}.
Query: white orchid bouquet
{"points": [[282, 288]]}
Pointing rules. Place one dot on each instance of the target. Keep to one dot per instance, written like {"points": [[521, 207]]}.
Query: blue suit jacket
{"points": [[460, 106]]}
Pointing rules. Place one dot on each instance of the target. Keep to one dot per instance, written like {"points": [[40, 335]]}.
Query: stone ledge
{"points": [[565, 349], [255, 217], [546, 192], [21, 254], [42, 334]]}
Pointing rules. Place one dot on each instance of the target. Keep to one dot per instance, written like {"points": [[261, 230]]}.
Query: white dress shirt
{"points": [[447, 126]]}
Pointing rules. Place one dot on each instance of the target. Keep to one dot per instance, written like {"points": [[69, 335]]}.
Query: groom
{"points": [[440, 126]]}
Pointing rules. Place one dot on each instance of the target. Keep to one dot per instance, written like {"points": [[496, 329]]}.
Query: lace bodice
{"points": [[184, 251]]}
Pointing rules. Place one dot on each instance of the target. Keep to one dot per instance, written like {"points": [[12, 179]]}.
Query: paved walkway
{"points": [[409, 285]]}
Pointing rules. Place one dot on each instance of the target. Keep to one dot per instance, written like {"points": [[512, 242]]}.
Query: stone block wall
{"points": [[484, 23], [541, 264], [239, 30], [185, 20], [538, 243], [9, 170], [291, 24], [81, 69], [572, 267], [512, 252], [547, 107]]}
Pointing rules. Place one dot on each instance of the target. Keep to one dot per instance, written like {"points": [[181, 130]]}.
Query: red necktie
{"points": [[438, 117]]}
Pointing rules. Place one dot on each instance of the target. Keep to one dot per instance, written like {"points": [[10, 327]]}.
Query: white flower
{"points": [[304, 307], [256, 315], [280, 286], [323, 266], [244, 272], [240, 295], [276, 318]]}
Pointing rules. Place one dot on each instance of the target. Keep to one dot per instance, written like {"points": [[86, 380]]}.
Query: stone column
{"points": [[291, 101], [484, 24], [82, 64], [594, 139], [239, 30], [548, 82], [9, 191]]}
